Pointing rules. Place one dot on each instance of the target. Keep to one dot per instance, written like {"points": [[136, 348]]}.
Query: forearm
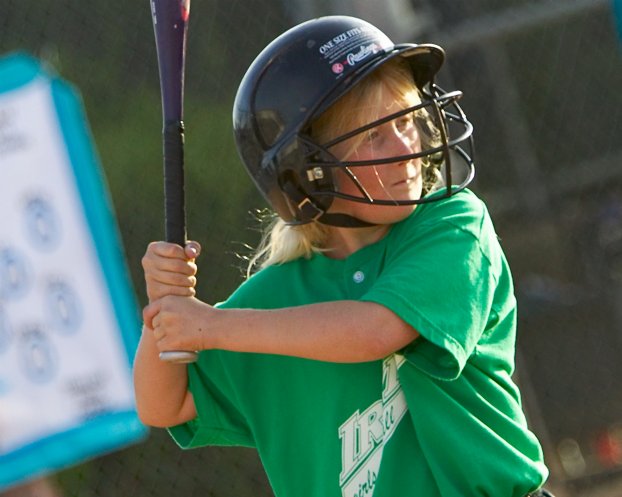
{"points": [[161, 388], [341, 331]]}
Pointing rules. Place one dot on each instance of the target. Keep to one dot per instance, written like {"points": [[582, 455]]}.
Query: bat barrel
{"points": [[170, 24]]}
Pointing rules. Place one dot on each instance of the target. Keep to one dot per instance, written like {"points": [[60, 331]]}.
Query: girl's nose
{"points": [[403, 142]]}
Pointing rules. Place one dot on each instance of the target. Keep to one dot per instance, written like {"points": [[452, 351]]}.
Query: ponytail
{"points": [[282, 243]]}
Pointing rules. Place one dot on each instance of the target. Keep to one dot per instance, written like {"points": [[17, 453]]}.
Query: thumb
{"points": [[192, 249], [150, 312]]}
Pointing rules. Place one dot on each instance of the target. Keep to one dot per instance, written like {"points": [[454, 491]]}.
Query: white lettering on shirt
{"points": [[364, 435]]}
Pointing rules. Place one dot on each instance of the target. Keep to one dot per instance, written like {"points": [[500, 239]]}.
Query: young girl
{"points": [[372, 352]]}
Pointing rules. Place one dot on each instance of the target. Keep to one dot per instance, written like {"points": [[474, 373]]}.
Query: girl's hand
{"points": [[170, 269], [179, 323]]}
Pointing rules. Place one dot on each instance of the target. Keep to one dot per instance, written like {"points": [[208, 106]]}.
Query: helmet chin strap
{"points": [[343, 221], [311, 211]]}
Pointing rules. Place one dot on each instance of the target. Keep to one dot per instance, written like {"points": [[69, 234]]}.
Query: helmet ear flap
{"points": [[302, 206], [305, 176], [317, 172]]}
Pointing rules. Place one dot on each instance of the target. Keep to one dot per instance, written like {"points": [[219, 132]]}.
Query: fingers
{"points": [[173, 278], [170, 269], [160, 284], [170, 257], [149, 313], [157, 291], [163, 264], [152, 319], [165, 249], [191, 250], [175, 323]]}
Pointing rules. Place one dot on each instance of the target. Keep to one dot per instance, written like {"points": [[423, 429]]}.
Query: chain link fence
{"points": [[542, 86]]}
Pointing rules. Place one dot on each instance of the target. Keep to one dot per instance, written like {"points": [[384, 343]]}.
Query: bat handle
{"points": [[174, 187], [175, 213]]}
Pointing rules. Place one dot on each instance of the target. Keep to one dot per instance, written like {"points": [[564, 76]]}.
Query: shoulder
{"points": [[463, 211], [461, 220], [461, 208]]}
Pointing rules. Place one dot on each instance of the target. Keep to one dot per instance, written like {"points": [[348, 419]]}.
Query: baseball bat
{"points": [[170, 25]]}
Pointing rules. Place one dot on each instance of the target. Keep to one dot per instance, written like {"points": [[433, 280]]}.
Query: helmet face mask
{"points": [[438, 147], [293, 81]]}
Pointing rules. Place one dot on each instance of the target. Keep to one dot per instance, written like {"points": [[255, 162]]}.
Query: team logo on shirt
{"points": [[364, 435]]}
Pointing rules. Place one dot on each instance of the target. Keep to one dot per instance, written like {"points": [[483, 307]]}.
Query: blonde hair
{"points": [[283, 242]]}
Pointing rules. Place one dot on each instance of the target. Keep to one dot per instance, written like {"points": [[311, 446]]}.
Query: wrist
{"points": [[215, 329]]}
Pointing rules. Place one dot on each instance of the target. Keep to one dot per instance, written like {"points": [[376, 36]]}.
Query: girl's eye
{"points": [[404, 123], [372, 135]]}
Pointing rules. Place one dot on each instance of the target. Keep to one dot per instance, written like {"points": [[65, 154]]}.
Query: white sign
{"points": [[68, 318]]}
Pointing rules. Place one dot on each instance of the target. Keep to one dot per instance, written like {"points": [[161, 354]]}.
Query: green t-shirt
{"points": [[441, 418]]}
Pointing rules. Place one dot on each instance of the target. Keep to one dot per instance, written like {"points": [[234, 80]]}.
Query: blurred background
{"points": [[543, 86]]}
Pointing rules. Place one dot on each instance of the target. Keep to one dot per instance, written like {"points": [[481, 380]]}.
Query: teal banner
{"points": [[617, 15], [69, 322]]}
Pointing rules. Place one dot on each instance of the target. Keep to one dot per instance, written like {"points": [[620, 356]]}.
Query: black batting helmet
{"points": [[296, 78]]}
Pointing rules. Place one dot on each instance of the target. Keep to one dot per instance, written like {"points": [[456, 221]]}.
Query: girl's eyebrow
{"points": [[374, 124]]}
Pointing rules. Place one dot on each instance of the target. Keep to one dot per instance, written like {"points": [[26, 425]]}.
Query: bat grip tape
{"points": [[174, 207], [174, 194]]}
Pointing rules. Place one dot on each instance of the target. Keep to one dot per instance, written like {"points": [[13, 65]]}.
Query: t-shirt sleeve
{"points": [[439, 278], [219, 421]]}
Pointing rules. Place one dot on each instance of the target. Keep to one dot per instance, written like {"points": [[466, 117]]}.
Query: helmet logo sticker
{"points": [[363, 53], [353, 46], [337, 67]]}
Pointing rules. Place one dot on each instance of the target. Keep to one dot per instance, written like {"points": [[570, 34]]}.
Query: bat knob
{"points": [[179, 356]]}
